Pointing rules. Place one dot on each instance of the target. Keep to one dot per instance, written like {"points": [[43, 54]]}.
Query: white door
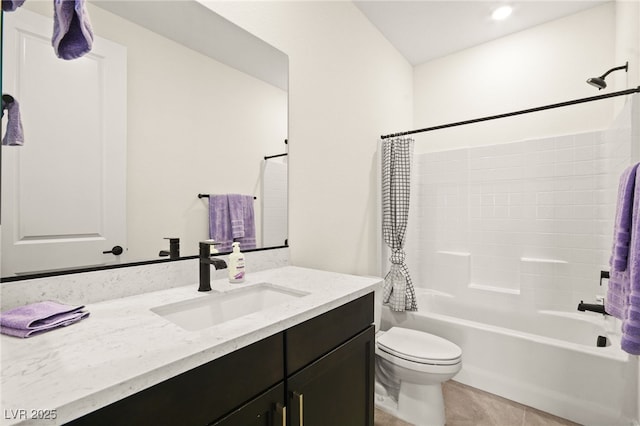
{"points": [[64, 191]]}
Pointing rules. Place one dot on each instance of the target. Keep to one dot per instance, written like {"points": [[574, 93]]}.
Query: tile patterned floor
{"points": [[467, 406]]}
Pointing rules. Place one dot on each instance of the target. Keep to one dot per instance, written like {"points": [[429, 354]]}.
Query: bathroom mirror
{"points": [[203, 103]]}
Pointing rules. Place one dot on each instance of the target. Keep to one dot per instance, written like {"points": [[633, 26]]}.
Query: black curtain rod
{"points": [[510, 114], [207, 196], [266, 157]]}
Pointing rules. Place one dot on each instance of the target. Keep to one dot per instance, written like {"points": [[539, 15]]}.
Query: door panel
{"points": [[74, 120], [265, 410], [337, 389]]}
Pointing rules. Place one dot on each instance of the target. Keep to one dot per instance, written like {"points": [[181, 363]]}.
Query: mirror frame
{"points": [[70, 271]]}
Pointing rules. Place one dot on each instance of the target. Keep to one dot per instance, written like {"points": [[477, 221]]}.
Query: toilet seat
{"points": [[419, 347]]}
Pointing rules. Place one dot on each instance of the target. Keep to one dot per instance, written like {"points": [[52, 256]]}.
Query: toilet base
{"points": [[418, 404], [422, 405], [387, 404]]}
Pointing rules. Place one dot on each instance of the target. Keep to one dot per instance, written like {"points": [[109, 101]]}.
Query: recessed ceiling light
{"points": [[501, 13]]}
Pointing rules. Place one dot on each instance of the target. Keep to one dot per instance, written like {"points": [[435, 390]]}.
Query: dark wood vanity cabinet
{"points": [[317, 373], [264, 410], [330, 367], [201, 395], [337, 389]]}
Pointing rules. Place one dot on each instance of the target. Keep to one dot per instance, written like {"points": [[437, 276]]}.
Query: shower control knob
{"points": [[117, 250]]}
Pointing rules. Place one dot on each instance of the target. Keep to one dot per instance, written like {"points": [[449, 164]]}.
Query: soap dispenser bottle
{"points": [[236, 264]]}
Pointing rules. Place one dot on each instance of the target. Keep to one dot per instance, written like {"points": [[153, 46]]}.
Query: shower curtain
{"points": [[397, 154]]}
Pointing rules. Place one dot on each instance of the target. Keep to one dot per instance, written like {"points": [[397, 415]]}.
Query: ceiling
{"points": [[423, 30]]}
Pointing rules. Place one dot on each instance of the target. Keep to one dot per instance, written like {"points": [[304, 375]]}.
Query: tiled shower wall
{"points": [[530, 221]]}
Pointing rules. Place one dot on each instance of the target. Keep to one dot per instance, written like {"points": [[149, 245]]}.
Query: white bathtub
{"points": [[546, 359]]}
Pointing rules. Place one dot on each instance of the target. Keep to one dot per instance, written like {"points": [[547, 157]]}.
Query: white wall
{"points": [[628, 41], [543, 65], [347, 87], [195, 125], [628, 49]]}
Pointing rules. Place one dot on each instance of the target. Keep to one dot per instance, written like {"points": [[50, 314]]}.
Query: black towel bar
{"points": [[207, 196], [266, 157]]}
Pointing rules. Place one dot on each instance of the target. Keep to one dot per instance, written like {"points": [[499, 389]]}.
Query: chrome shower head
{"points": [[599, 81]]}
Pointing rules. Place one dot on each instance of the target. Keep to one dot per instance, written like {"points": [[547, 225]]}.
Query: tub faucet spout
{"points": [[592, 307], [205, 263]]}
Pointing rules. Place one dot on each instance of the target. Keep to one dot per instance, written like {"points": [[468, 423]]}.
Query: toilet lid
{"points": [[418, 346]]}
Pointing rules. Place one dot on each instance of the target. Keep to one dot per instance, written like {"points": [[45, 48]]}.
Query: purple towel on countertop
{"points": [[11, 5], [25, 321], [220, 222], [630, 341], [13, 135], [72, 32], [619, 281]]}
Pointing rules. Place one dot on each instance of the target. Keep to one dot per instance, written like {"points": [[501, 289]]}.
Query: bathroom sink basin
{"points": [[216, 308]]}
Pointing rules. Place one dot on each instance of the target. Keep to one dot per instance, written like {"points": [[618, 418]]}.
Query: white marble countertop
{"points": [[123, 347]]}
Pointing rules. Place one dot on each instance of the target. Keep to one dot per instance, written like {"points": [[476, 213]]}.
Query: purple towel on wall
{"points": [[622, 229], [231, 218], [243, 226], [220, 222], [619, 281], [72, 32], [631, 323], [237, 206], [25, 321], [14, 134], [11, 5]]}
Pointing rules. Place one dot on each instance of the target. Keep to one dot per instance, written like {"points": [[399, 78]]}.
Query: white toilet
{"points": [[411, 366]]}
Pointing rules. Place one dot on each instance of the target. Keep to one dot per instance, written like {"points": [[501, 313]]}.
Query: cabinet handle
{"points": [[300, 407], [282, 411]]}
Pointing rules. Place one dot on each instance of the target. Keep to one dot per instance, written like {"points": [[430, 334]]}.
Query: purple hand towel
{"points": [[219, 222], [242, 217], [236, 214], [25, 321], [72, 32], [618, 289], [622, 230], [630, 341], [14, 134], [11, 5]]}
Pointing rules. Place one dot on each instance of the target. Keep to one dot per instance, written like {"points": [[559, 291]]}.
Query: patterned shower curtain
{"points": [[397, 154]]}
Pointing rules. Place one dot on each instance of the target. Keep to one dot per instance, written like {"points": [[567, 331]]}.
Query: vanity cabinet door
{"points": [[312, 339], [265, 410], [201, 395], [337, 389]]}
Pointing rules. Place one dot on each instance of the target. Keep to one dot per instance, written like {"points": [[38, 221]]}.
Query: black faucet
{"points": [[205, 262], [592, 307], [174, 249]]}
